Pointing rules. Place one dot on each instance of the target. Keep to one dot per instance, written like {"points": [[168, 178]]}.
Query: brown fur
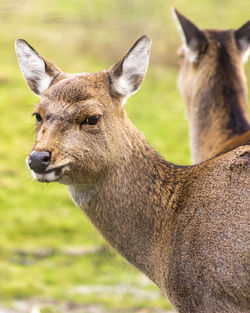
{"points": [[186, 228], [214, 89]]}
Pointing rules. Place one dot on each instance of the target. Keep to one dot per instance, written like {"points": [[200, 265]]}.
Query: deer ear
{"points": [[127, 75], [193, 38], [242, 37], [37, 71]]}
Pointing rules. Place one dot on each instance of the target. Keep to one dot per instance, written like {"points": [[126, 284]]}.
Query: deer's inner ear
{"points": [[127, 75], [242, 37], [37, 71]]}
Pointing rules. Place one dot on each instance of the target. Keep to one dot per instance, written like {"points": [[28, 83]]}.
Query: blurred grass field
{"points": [[48, 249]]}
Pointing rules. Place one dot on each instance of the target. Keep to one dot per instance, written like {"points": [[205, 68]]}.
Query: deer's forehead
{"points": [[77, 88], [86, 106], [76, 93]]}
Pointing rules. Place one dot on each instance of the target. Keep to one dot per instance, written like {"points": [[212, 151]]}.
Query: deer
{"points": [[184, 227], [212, 83]]}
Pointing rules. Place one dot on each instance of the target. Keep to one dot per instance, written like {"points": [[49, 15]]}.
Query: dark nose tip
{"points": [[39, 161]]}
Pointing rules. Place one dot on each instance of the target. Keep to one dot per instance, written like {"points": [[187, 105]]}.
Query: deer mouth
{"points": [[50, 175]]}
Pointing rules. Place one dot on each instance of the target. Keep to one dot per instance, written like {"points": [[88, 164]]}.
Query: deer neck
{"points": [[129, 205], [217, 111]]}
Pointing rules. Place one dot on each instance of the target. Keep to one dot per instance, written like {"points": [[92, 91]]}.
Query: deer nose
{"points": [[39, 161]]}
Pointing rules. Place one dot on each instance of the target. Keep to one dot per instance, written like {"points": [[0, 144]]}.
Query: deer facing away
{"points": [[213, 85], [186, 228]]}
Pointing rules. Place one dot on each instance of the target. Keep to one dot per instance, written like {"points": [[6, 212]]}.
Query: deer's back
{"points": [[209, 258]]}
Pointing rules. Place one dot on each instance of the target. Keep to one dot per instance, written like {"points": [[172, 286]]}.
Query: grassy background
{"points": [[48, 249]]}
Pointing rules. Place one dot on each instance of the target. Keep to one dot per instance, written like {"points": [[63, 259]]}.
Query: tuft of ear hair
{"points": [[193, 38], [242, 37], [127, 75], [37, 71]]}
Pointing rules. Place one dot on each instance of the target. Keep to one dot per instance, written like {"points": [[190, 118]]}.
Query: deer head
{"points": [[202, 51], [81, 126]]}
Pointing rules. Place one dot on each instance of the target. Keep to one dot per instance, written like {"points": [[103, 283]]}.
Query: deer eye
{"points": [[38, 117], [92, 120]]}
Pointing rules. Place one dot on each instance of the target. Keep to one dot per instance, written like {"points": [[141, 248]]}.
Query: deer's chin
{"points": [[52, 175]]}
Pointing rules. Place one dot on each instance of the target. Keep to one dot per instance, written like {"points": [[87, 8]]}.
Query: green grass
{"points": [[83, 35]]}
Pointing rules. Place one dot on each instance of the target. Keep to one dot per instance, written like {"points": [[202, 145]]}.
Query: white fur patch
{"points": [[81, 194], [49, 177], [245, 55], [124, 100], [135, 64], [245, 49], [33, 67], [192, 54], [123, 86]]}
